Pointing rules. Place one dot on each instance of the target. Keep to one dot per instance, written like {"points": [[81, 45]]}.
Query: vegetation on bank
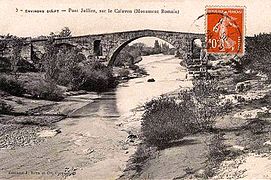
{"points": [[67, 66], [168, 119], [258, 54], [11, 85], [63, 65], [35, 87]]}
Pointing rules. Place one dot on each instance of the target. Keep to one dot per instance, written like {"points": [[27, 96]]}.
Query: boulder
{"points": [[151, 80], [243, 86]]}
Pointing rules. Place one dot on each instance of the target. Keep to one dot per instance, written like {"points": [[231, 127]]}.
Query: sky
{"points": [[19, 23]]}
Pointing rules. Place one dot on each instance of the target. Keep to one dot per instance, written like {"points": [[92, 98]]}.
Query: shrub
{"points": [[11, 85], [5, 108], [167, 119], [45, 90], [171, 118], [96, 77], [206, 94], [124, 73]]}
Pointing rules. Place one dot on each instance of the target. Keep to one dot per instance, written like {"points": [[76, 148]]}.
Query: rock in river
{"points": [[151, 80]]}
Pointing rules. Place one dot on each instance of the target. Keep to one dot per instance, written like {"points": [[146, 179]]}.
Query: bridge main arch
{"points": [[114, 52], [181, 41]]}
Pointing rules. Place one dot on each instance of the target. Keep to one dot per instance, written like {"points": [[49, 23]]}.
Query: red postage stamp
{"points": [[225, 30]]}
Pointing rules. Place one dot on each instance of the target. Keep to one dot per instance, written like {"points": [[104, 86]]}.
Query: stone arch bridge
{"points": [[108, 45]]}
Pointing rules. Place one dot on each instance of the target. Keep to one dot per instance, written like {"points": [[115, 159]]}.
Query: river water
{"points": [[112, 117], [166, 72], [168, 76]]}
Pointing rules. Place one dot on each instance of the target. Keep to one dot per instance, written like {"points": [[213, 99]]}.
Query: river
{"points": [[119, 107], [166, 72], [93, 141]]}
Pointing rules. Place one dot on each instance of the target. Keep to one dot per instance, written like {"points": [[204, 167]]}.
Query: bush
{"points": [[96, 77], [207, 94], [124, 73], [11, 85], [141, 70], [171, 118], [165, 120], [5, 108], [45, 90]]}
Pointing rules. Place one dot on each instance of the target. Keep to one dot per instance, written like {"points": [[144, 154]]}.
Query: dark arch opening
{"points": [[97, 48], [196, 48], [118, 50]]}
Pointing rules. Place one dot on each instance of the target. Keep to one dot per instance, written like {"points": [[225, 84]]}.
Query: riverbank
{"points": [[59, 138], [240, 137]]}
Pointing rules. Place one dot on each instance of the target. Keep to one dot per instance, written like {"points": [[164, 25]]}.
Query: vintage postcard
{"points": [[135, 89]]}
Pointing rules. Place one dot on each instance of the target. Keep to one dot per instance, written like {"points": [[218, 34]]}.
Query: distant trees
{"points": [[130, 53], [162, 48], [165, 48], [156, 47], [139, 46]]}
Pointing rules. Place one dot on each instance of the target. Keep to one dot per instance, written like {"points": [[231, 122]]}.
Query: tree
{"points": [[165, 48], [157, 47], [3, 46], [139, 46], [49, 60], [65, 32], [52, 34]]}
